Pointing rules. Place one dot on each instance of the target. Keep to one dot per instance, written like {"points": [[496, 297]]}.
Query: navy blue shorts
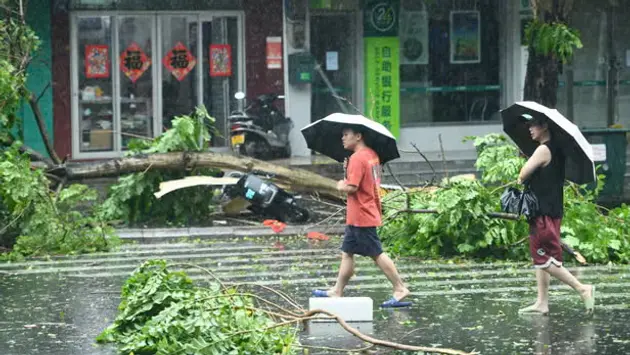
{"points": [[361, 241]]}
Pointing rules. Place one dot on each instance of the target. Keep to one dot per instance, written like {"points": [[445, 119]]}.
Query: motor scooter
{"points": [[260, 131], [266, 199]]}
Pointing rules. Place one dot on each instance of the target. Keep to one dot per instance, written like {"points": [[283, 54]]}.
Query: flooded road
{"points": [[59, 306]]}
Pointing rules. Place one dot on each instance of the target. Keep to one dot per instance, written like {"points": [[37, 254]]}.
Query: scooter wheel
{"points": [[298, 215]]}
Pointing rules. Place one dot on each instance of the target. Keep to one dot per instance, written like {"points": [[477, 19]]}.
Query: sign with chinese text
{"points": [[274, 52], [96, 61], [220, 60], [134, 62], [382, 62], [179, 61], [382, 94]]}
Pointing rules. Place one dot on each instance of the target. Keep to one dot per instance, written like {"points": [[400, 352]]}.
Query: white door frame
{"points": [[240, 59]]}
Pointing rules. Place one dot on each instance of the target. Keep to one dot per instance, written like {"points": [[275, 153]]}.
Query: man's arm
{"points": [[541, 157], [344, 187], [355, 172]]}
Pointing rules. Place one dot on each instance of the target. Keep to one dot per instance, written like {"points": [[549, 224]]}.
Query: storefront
{"points": [[132, 73], [123, 69], [132, 66], [423, 68]]}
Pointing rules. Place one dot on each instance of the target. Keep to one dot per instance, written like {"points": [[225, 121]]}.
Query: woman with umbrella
{"points": [[556, 150], [370, 144]]}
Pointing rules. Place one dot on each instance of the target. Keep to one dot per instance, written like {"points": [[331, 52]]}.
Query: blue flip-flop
{"points": [[394, 303], [319, 293]]}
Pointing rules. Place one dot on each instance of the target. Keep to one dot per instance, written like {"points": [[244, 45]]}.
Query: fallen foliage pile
{"points": [[162, 312], [461, 218]]}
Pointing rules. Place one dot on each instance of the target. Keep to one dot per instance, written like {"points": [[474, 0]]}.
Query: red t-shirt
{"points": [[364, 206]]}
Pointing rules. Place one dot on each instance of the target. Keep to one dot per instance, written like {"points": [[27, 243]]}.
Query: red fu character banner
{"points": [[179, 61]]}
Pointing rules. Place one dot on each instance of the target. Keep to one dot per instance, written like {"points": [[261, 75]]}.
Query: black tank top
{"points": [[547, 184]]}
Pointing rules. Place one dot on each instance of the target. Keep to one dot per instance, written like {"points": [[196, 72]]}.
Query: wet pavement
{"points": [[59, 305]]}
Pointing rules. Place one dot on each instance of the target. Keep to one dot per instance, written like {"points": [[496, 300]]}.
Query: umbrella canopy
{"points": [[580, 167], [324, 136]]}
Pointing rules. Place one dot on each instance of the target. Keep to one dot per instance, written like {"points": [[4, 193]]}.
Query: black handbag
{"points": [[522, 203]]}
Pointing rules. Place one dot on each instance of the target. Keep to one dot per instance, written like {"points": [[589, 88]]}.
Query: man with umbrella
{"points": [[556, 150], [371, 144]]}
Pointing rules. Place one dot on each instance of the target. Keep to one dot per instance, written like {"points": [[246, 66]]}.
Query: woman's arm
{"points": [[541, 157]]}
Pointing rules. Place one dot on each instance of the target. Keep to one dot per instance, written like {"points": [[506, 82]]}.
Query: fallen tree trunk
{"points": [[295, 179]]}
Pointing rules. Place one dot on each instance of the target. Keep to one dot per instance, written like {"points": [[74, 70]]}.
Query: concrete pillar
{"points": [[297, 97], [511, 63]]}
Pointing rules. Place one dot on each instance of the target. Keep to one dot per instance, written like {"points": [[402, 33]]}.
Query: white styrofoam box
{"points": [[318, 329], [350, 309]]}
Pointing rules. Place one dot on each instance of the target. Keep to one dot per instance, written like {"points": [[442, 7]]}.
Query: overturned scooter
{"points": [[265, 198]]}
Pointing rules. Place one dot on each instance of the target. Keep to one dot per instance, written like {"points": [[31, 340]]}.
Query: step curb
{"points": [[160, 235]]}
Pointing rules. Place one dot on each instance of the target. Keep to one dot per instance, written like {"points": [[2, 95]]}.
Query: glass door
{"points": [[179, 63], [93, 89], [221, 69], [336, 55], [599, 79], [135, 76]]}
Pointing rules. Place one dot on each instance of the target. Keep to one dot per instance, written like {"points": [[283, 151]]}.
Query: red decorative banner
{"points": [[96, 61], [179, 61], [274, 52], [220, 60], [134, 62]]}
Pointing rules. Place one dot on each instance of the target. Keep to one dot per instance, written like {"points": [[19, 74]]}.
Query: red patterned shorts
{"points": [[544, 241]]}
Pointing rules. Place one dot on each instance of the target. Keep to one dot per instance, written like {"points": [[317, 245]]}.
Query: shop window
{"points": [[133, 73], [179, 70], [593, 71], [135, 35], [95, 101], [449, 62]]}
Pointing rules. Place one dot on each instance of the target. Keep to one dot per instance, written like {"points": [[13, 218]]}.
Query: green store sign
{"points": [[382, 66]]}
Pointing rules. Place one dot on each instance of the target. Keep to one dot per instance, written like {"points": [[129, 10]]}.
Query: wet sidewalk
{"points": [[58, 306]]}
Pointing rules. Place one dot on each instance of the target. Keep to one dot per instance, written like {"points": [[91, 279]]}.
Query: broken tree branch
{"points": [[35, 156], [427, 160], [42, 93], [389, 169], [500, 215], [388, 344], [42, 129], [443, 157], [296, 179]]}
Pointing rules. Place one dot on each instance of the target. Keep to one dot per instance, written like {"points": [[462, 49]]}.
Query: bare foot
{"points": [[333, 293], [401, 294], [588, 296], [535, 309], [586, 292]]}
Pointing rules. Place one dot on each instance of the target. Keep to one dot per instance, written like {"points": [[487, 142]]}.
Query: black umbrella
{"points": [[324, 136], [579, 166]]}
